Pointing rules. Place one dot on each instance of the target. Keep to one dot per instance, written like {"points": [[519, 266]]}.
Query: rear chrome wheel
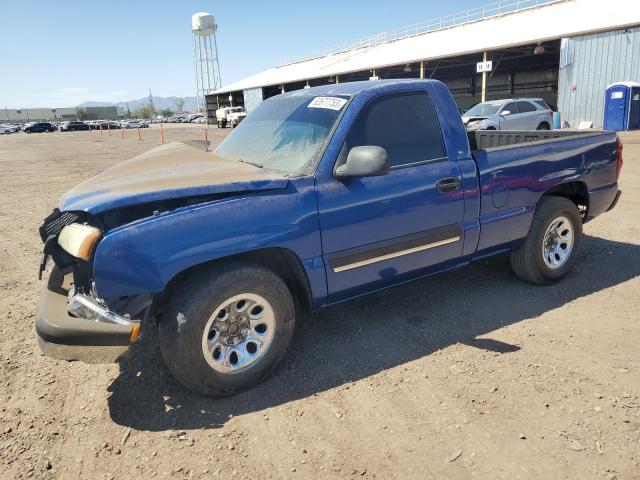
{"points": [[239, 333], [557, 244], [549, 250]]}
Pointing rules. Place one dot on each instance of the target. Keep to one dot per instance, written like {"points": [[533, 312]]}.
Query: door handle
{"points": [[447, 185]]}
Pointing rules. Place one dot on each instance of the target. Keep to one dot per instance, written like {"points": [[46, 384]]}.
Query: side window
{"points": [[543, 104], [526, 107], [405, 124], [512, 108]]}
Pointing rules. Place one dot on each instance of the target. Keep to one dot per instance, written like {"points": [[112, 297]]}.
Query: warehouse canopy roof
{"points": [[540, 20]]}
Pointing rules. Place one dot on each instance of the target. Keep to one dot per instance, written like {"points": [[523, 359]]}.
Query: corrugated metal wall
{"points": [[590, 63], [252, 98]]}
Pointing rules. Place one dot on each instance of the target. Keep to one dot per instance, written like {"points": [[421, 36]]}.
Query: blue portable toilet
{"points": [[622, 106]]}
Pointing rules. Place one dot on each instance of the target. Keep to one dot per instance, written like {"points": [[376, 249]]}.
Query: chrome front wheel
{"points": [[239, 333], [227, 327]]}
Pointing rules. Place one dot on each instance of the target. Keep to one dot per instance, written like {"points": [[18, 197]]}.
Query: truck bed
{"points": [[523, 165], [491, 139]]}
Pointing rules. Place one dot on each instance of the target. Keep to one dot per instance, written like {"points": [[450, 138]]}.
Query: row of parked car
{"points": [[31, 127], [185, 118], [507, 114], [72, 126], [103, 124]]}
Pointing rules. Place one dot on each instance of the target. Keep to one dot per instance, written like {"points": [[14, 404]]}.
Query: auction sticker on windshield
{"points": [[332, 103]]}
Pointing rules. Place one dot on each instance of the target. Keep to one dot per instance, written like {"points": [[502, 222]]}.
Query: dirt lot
{"points": [[469, 374]]}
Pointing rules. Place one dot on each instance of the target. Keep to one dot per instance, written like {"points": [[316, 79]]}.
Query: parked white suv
{"points": [[132, 124], [509, 114]]}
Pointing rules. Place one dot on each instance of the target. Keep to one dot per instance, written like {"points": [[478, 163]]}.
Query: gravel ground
{"points": [[471, 374]]}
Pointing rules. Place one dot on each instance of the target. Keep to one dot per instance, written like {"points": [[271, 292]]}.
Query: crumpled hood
{"points": [[171, 171]]}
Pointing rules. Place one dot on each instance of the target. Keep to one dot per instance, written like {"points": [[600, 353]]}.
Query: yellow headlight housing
{"points": [[79, 240]]}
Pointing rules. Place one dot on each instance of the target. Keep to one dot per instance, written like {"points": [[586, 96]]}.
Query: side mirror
{"points": [[365, 161], [504, 113]]}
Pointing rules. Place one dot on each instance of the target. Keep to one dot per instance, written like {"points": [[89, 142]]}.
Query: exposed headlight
{"points": [[79, 240], [473, 125]]}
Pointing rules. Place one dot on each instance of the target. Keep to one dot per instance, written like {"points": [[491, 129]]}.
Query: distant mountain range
{"points": [[190, 103]]}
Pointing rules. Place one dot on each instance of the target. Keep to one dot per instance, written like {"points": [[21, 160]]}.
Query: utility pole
{"points": [[484, 79]]}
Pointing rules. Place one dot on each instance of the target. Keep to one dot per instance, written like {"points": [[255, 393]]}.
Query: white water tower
{"points": [[205, 56]]}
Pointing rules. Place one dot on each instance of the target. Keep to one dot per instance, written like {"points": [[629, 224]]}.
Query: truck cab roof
{"points": [[351, 88]]}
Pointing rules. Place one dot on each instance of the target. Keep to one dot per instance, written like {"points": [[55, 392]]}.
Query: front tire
{"points": [[227, 328], [550, 248]]}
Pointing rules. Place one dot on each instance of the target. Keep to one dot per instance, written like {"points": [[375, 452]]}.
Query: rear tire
{"points": [[544, 126], [550, 248], [198, 340]]}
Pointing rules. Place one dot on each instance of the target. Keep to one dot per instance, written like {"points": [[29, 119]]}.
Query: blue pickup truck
{"points": [[319, 196]]}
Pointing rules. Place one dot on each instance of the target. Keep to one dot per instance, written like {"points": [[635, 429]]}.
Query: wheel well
{"points": [[281, 261], [544, 123], [574, 191]]}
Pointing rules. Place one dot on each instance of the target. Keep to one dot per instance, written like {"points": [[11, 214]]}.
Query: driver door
{"points": [[381, 230], [510, 121]]}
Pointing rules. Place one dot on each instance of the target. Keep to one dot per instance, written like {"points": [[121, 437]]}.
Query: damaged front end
{"points": [[74, 320], [72, 323]]}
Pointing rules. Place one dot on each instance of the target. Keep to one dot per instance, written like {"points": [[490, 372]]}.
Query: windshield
{"points": [[483, 110], [283, 133]]}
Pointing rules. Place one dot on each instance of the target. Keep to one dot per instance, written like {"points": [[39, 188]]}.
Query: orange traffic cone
{"points": [[161, 135], [139, 137]]}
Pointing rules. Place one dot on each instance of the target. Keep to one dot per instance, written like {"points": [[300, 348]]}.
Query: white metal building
{"points": [[24, 115], [565, 51]]}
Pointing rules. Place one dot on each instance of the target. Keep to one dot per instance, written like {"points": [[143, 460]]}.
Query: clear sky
{"points": [[58, 53]]}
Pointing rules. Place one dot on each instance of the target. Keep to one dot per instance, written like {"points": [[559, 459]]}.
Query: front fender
{"points": [[144, 256], [489, 123]]}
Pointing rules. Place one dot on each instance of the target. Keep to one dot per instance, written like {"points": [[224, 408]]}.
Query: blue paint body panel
{"points": [[320, 218], [513, 180], [144, 256]]}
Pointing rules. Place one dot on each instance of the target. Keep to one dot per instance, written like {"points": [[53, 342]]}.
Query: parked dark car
{"points": [[108, 125], [74, 127], [39, 127]]}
